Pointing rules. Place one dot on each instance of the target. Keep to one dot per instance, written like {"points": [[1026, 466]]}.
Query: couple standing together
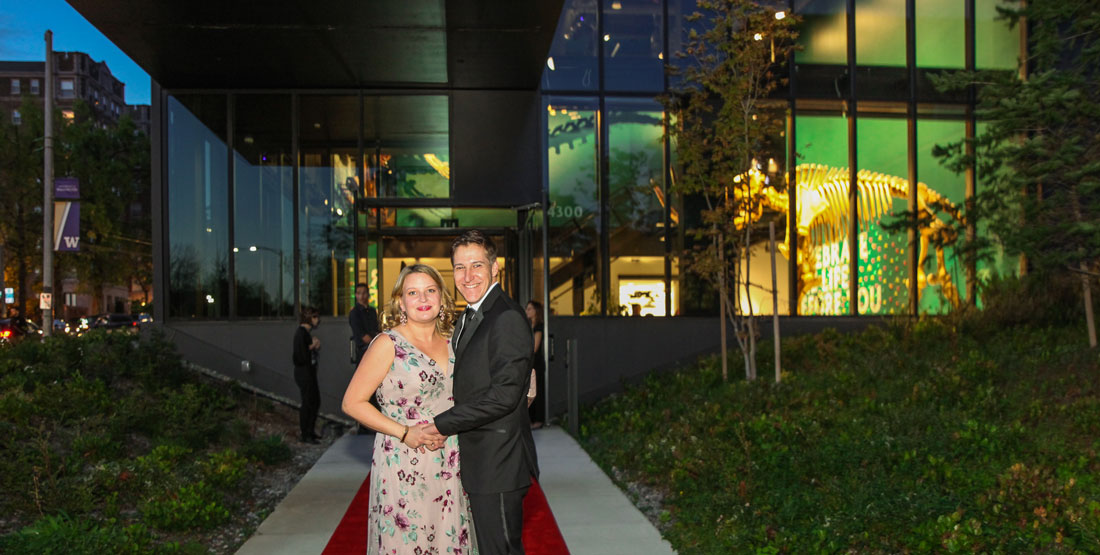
{"points": [[441, 394]]}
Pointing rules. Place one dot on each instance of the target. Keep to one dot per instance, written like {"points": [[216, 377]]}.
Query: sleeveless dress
{"points": [[417, 504]]}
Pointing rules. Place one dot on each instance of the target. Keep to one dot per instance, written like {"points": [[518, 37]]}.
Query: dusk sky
{"points": [[23, 25]]}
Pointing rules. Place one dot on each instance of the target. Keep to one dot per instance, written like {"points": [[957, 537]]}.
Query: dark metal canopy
{"points": [[311, 44]]}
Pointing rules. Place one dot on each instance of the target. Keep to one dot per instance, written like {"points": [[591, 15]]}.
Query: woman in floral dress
{"points": [[417, 504]]}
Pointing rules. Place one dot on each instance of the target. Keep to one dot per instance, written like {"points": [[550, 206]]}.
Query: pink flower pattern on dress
{"points": [[417, 502]]}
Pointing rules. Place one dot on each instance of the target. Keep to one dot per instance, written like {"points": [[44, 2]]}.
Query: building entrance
{"points": [[382, 251]]}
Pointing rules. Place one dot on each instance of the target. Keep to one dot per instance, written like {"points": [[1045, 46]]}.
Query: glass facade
{"points": [[198, 197], [263, 206], [289, 198], [614, 238]]}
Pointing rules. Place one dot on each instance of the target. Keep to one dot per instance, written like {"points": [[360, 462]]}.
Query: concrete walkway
{"points": [[594, 516]]}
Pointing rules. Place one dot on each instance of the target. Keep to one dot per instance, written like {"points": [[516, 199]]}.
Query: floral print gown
{"points": [[417, 504]]}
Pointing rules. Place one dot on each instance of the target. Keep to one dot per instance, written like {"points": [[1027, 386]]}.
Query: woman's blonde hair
{"points": [[391, 314]]}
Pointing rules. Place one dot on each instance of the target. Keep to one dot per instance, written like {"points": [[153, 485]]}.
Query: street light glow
{"points": [[758, 36], [780, 15]]}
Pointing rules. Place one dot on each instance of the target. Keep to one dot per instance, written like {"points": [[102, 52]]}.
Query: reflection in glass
{"points": [[571, 64], [198, 236], [633, 45], [996, 46], [880, 32], [263, 206], [574, 205], [941, 34], [824, 33], [328, 182], [636, 194], [409, 136]]}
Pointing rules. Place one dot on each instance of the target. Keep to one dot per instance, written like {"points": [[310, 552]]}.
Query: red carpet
{"points": [[540, 531]]}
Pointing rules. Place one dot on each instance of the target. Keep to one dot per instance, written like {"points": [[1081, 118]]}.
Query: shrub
{"points": [[224, 469], [59, 534], [190, 507], [269, 450]]}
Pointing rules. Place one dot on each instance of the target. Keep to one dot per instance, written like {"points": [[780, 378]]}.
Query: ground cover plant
{"points": [[978, 432], [108, 444]]}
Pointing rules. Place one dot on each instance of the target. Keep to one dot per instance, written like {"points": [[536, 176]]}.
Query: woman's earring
{"points": [[404, 318]]}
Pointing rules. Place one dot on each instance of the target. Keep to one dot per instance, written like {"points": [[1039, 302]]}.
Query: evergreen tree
{"points": [[1039, 156]]}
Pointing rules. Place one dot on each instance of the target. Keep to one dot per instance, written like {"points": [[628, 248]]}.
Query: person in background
{"points": [[306, 349], [537, 405], [363, 320]]}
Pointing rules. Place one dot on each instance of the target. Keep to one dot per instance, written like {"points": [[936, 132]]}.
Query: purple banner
{"points": [[66, 187], [66, 226]]}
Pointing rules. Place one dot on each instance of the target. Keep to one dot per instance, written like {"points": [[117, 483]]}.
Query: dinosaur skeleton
{"points": [[822, 216]]}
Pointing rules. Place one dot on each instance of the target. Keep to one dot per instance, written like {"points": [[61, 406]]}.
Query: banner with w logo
{"points": [[66, 226]]}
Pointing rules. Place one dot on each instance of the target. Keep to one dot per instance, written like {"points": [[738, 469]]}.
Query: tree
{"points": [[21, 199], [724, 128], [1039, 155], [112, 164]]}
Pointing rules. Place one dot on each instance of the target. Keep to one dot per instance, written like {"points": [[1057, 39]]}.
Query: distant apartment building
{"points": [[77, 76]]}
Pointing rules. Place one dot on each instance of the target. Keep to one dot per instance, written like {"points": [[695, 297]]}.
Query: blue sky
{"points": [[23, 25]]}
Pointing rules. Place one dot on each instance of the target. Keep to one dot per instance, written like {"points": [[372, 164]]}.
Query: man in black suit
{"points": [[364, 326], [363, 320], [493, 349]]}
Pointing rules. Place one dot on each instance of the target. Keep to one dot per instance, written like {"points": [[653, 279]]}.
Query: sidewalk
{"points": [[595, 518]]}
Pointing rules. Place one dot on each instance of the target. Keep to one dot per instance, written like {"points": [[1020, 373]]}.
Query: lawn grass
{"points": [[945, 435]]}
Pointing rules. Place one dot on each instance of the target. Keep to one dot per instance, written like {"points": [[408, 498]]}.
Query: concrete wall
{"points": [[611, 351], [266, 345]]}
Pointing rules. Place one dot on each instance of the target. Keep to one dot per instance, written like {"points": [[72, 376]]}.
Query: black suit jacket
{"points": [[363, 320], [491, 375]]}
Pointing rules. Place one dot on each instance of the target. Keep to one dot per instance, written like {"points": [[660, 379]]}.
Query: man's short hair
{"points": [[363, 285], [475, 237]]}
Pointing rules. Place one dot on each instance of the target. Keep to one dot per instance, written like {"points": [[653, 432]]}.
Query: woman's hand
{"points": [[418, 438]]}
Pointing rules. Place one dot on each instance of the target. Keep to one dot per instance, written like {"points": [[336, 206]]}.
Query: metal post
{"points": [[47, 193], [571, 371]]}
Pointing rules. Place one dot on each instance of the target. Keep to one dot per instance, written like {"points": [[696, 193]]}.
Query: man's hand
{"points": [[432, 438]]}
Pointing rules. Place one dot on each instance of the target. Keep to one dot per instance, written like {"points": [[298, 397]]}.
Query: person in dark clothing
{"points": [[537, 407], [364, 322], [306, 348]]}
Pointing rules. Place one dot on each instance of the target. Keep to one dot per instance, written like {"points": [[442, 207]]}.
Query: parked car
{"points": [[116, 323], [143, 318], [13, 330], [77, 326]]}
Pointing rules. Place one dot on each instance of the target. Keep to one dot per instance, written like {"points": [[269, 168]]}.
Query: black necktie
{"points": [[467, 317]]}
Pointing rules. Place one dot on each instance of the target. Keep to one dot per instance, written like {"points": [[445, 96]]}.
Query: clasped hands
{"points": [[425, 436]]}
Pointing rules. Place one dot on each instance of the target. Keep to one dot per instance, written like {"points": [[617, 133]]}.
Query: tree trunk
{"points": [[722, 312], [1087, 289], [751, 327]]}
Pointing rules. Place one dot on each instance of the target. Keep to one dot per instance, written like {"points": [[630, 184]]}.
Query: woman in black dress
{"points": [[305, 373], [537, 408]]}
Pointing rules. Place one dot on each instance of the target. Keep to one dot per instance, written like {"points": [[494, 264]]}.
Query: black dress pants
{"points": [[306, 378], [498, 521]]}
